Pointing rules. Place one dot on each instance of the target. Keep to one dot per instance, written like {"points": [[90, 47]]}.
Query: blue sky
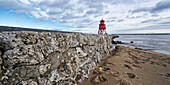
{"points": [[11, 18], [121, 16]]}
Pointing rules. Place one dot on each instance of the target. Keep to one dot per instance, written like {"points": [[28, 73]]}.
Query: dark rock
{"points": [[138, 48], [115, 36], [117, 42], [131, 75], [131, 42]]}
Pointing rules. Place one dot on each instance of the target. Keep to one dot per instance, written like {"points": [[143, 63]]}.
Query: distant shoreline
{"points": [[10, 28]]}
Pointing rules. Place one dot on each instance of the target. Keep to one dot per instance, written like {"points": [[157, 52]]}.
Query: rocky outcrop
{"points": [[44, 58]]}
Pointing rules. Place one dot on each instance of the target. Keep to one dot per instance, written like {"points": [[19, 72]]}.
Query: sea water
{"points": [[156, 43]]}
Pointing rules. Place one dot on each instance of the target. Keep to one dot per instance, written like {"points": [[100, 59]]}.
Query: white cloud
{"points": [[36, 14], [25, 1]]}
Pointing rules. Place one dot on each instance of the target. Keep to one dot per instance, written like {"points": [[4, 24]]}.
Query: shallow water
{"points": [[156, 43]]}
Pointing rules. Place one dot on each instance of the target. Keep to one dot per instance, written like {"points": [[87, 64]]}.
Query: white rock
{"points": [[44, 68]]}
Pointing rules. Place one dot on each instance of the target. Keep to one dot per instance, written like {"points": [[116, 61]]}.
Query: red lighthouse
{"points": [[102, 28]]}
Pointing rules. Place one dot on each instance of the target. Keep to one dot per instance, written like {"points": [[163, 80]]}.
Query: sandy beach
{"points": [[128, 66]]}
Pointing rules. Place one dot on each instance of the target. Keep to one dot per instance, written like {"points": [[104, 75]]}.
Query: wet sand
{"points": [[128, 66]]}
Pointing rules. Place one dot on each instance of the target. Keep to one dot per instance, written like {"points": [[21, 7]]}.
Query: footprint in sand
{"points": [[164, 65], [168, 62], [110, 64], [138, 66], [127, 66], [128, 62], [135, 64], [123, 82], [100, 70], [158, 63], [152, 62], [113, 73], [98, 79], [136, 61], [165, 75]]}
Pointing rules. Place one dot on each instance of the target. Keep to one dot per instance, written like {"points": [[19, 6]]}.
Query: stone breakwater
{"points": [[44, 58]]}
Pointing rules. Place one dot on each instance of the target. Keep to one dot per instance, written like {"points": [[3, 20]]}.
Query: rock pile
{"points": [[44, 58]]}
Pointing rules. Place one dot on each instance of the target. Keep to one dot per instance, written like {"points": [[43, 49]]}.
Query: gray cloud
{"points": [[52, 12], [155, 15], [138, 16], [69, 16], [168, 23], [87, 20], [112, 20], [55, 3], [64, 21], [120, 1], [84, 23], [106, 12], [160, 6], [12, 4], [81, 26], [97, 15], [110, 25], [92, 12], [150, 20], [143, 9], [9, 4], [120, 20]]}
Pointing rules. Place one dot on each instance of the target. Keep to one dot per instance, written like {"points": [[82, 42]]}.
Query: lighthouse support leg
{"points": [[101, 32], [105, 32]]}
